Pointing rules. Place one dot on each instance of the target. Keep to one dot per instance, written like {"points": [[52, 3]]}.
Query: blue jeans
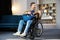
{"points": [[21, 23]]}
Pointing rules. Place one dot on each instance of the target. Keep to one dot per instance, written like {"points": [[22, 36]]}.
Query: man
{"points": [[22, 22]]}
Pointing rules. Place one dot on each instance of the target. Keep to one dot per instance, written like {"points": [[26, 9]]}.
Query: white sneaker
{"points": [[23, 34], [17, 33]]}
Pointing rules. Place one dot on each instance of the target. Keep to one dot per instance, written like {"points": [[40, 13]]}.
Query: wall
{"points": [[48, 1], [19, 6], [29, 1], [58, 14]]}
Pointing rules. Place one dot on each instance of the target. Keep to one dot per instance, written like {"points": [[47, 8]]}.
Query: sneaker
{"points": [[17, 33], [23, 34]]}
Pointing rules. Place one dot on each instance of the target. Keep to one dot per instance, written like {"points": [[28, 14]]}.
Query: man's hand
{"points": [[29, 12]]}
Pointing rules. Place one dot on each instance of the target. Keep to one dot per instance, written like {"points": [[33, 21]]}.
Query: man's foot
{"points": [[23, 34], [17, 33]]}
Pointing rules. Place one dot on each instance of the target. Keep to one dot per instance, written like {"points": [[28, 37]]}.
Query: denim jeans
{"points": [[21, 23]]}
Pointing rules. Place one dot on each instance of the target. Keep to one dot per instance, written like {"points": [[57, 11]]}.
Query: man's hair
{"points": [[32, 3]]}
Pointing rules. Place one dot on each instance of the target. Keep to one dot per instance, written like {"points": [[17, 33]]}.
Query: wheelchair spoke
{"points": [[39, 29]]}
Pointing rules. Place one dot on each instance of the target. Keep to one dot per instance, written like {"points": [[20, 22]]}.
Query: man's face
{"points": [[33, 6]]}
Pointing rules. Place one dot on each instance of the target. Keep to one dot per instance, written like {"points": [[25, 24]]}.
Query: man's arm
{"points": [[38, 14], [27, 12]]}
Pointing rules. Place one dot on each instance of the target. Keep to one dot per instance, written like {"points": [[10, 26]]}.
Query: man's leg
{"points": [[27, 27], [21, 23]]}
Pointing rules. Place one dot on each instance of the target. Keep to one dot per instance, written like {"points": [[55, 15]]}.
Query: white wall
{"points": [[29, 1], [19, 6], [58, 14], [48, 1]]}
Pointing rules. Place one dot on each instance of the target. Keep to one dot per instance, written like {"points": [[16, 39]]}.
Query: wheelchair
{"points": [[36, 28]]}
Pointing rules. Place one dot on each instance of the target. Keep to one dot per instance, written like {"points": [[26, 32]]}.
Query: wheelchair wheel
{"points": [[38, 29]]}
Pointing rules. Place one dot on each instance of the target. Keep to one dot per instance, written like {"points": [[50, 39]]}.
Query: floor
{"points": [[48, 34]]}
